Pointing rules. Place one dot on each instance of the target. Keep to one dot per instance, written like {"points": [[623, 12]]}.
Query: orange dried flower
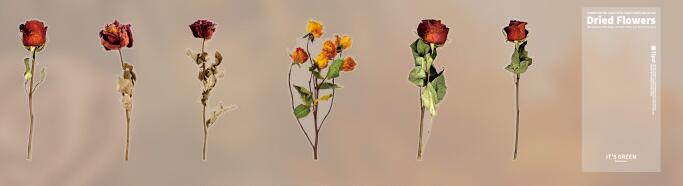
{"points": [[349, 64], [299, 56], [321, 61], [343, 42], [315, 28], [329, 49]]}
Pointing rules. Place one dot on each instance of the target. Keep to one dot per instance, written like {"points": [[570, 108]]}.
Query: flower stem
{"points": [[422, 115], [126, 146], [514, 156], [30, 107], [205, 127], [127, 135], [291, 95], [206, 133]]}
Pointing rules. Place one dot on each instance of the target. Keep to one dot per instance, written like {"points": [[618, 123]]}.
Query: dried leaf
{"points": [[218, 112]]}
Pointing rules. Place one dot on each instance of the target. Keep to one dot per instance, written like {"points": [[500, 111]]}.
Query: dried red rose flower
{"points": [[34, 33], [115, 36], [516, 30], [203, 29], [432, 31]]}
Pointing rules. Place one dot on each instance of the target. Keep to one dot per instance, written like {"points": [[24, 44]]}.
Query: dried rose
{"points": [[203, 29], [432, 31], [115, 36], [516, 30], [33, 33]]}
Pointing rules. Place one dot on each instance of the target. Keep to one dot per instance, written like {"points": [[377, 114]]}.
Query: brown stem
{"points": [[514, 157], [315, 118], [291, 95], [30, 107], [204, 125]]}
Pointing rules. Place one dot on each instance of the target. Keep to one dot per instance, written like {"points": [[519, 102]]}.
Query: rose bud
{"points": [[349, 64], [33, 33], [343, 43], [516, 30], [203, 29], [299, 56], [315, 29], [432, 31], [115, 36], [329, 49]]}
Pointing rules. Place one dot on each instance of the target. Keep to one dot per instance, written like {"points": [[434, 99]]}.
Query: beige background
{"points": [[371, 138]]}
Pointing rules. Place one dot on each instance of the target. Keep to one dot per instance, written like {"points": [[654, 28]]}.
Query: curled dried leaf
{"points": [[218, 112]]}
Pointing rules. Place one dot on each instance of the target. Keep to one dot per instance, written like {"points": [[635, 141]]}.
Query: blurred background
{"points": [[369, 139]]}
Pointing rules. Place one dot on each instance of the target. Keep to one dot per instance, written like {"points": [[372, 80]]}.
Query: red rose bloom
{"points": [[203, 29], [33, 33], [432, 31], [516, 30], [115, 36]]}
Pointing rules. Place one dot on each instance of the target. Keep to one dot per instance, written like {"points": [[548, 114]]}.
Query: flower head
{"points": [[516, 30], [33, 33], [299, 56], [432, 31], [321, 61], [343, 43], [203, 29], [329, 49], [116, 35], [349, 64], [315, 29]]}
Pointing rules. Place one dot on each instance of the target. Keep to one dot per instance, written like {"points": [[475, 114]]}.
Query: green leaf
{"points": [[328, 85], [420, 48], [429, 99], [42, 74], [440, 87], [27, 72], [333, 71], [428, 61], [304, 93], [301, 111], [417, 76], [419, 61], [520, 61]]}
